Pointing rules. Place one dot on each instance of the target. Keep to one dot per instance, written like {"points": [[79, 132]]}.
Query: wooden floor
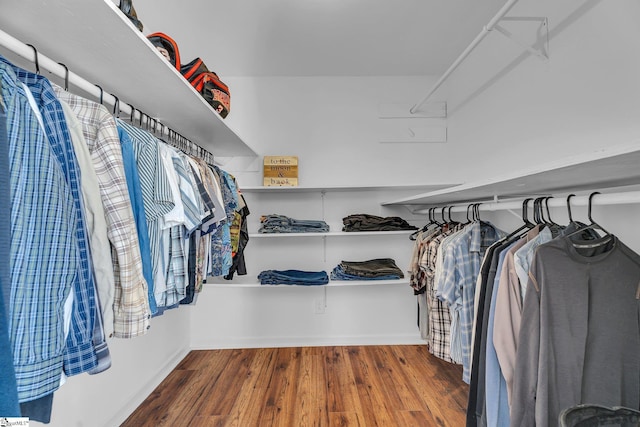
{"points": [[310, 386]]}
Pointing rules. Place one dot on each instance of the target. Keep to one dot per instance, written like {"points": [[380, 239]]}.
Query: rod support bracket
{"points": [[540, 48]]}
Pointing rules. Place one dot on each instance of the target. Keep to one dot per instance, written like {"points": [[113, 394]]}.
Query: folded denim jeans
{"points": [[338, 274], [380, 269], [372, 268], [293, 277]]}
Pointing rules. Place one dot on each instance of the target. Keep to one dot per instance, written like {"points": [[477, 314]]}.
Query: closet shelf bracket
{"points": [[540, 48]]}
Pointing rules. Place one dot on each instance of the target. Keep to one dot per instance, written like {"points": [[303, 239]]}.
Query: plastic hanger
{"points": [[592, 225], [66, 77], [525, 217], [432, 221], [116, 106], [101, 93], [553, 227], [35, 61]]}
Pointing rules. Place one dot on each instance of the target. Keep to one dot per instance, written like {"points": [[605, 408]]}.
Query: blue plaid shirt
{"points": [[79, 353], [461, 266], [45, 256]]}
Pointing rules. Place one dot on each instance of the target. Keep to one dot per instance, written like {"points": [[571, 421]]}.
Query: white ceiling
{"points": [[320, 37]]}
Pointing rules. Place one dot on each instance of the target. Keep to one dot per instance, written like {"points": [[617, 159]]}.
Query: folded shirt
{"points": [[275, 223], [366, 222]]}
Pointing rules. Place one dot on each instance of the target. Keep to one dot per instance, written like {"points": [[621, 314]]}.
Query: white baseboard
{"points": [[266, 342], [144, 392]]}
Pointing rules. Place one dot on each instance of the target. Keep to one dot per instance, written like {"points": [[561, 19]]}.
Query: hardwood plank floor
{"points": [[401, 385]]}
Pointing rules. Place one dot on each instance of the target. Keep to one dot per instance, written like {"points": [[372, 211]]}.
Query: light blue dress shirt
{"points": [[137, 204], [497, 399]]}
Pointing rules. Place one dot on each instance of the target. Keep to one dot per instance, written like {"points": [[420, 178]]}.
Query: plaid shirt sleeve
{"points": [[79, 354], [131, 304], [44, 251]]}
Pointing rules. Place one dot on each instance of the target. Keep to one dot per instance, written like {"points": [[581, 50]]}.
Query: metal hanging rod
{"points": [[485, 30], [60, 70], [602, 199]]}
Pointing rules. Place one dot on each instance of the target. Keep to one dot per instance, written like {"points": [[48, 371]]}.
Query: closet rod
{"points": [[27, 52], [602, 199], [483, 33]]}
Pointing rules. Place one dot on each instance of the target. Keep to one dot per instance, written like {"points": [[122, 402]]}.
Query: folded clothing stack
{"points": [[366, 222], [282, 224], [293, 277], [375, 269]]}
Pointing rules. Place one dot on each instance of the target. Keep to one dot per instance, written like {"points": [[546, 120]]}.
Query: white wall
{"points": [[138, 366], [512, 109], [331, 124], [503, 104]]}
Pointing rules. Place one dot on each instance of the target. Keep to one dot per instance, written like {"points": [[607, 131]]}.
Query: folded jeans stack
{"points": [[375, 269], [293, 277], [274, 223], [366, 222]]}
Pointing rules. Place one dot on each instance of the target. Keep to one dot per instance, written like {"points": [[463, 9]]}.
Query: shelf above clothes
{"points": [[408, 187], [253, 282], [96, 41], [332, 234], [610, 167]]}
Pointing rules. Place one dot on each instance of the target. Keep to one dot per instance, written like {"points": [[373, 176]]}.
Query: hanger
{"points": [[413, 235], [469, 207], [432, 216], [116, 106], [553, 227], [101, 93], [66, 76], [538, 215], [592, 225], [476, 212], [35, 61], [451, 221], [569, 207], [528, 225], [546, 206]]}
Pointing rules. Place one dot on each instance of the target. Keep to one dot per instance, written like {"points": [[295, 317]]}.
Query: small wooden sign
{"points": [[280, 171], [280, 182]]}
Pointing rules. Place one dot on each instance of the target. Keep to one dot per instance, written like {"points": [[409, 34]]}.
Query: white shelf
{"points": [[415, 187], [254, 283], [610, 167], [100, 44], [333, 234]]}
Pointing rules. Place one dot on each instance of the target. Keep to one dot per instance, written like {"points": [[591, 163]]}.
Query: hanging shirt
{"points": [[171, 252], [439, 336], [137, 204], [156, 194], [9, 391], [508, 312], [580, 334], [45, 256], [497, 402], [523, 257], [131, 304], [95, 220], [461, 267], [221, 241], [79, 353]]}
